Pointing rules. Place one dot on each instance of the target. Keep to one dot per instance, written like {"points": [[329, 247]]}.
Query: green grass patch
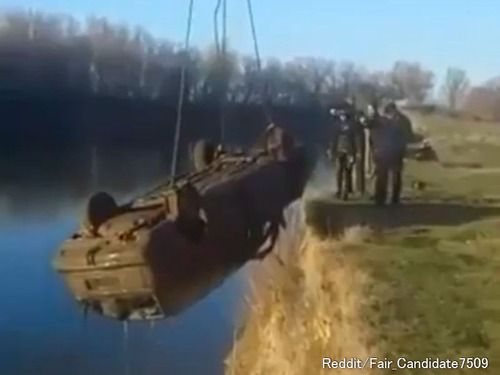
{"points": [[434, 297], [441, 182]]}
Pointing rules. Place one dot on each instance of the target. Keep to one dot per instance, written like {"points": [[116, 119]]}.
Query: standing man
{"points": [[390, 136], [343, 150], [370, 121], [361, 150]]}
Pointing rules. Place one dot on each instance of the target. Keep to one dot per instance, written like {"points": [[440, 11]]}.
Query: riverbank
{"points": [[416, 281], [311, 307]]}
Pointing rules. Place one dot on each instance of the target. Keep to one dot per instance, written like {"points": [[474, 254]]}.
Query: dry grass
{"points": [[310, 308]]}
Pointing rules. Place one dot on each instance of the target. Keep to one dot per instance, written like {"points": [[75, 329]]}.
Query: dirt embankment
{"points": [[311, 306], [307, 301]]}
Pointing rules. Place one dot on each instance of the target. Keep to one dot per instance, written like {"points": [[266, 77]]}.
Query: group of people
{"points": [[381, 138]]}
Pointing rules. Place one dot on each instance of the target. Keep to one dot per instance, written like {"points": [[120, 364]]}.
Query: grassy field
{"points": [[416, 281]]}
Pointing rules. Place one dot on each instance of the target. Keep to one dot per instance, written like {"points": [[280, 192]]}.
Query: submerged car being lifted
{"points": [[153, 256]]}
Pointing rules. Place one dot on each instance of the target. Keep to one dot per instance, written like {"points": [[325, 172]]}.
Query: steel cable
{"points": [[267, 112], [182, 88]]}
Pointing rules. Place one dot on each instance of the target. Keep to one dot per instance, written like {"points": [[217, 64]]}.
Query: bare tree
{"points": [[219, 70], [55, 53], [455, 86], [493, 84], [484, 101], [349, 78], [411, 81], [375, 87]]}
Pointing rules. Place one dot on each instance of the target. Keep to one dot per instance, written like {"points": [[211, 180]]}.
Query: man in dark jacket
{"points": [[390, 138], [343, 150]]}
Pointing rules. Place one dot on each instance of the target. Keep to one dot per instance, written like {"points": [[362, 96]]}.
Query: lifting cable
{"points": [[226, 77], [220, 47], [216, 26], [267, 112], [182, 88]]}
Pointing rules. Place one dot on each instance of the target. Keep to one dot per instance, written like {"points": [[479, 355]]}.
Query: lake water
{"points": [[42, 330]]}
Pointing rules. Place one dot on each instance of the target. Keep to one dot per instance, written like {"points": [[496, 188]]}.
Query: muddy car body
{"points": [[151, 257]]}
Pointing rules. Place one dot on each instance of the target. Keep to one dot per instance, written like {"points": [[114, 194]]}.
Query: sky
{"points": [[375, 34]]}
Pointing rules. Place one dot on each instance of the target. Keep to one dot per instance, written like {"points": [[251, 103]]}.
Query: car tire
{"points": [[203, 154], [100, 207]]}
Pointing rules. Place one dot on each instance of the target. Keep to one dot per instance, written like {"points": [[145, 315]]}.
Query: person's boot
{"points": [[395, 200]]}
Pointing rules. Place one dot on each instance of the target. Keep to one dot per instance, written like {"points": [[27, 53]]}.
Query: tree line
{"points": [[56, 54]]}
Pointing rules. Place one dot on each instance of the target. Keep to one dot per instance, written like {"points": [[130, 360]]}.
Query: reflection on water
{"points": [[42, 330]]}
